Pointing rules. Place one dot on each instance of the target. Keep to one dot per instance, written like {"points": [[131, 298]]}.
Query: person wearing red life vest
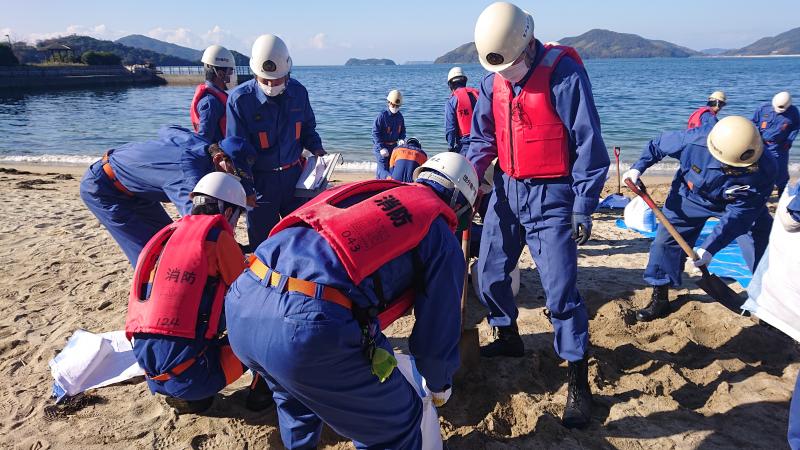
{"points": [[308, 313], [536, 114], [707, 115], [405, 160], [207, 110], [175, 310], [458, 111]]}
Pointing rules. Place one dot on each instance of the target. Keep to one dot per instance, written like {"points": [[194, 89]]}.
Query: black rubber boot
{"points": [[506, 343], [189, 406], [578, 411], [658, 306], [259, 396]]}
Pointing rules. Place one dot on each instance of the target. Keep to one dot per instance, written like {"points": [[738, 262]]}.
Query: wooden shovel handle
{"points": [[465, 242], [641, 191]]}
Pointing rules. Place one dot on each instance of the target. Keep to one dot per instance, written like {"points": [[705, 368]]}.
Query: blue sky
{"points": [[329, 32]]}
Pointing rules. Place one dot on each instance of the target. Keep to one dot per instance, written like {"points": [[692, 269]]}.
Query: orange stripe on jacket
{"points": [[407, 154]]}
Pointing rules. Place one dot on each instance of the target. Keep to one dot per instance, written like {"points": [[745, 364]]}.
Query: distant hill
{"points": [[129, 55], [787, 43], [592, 44], [714, 51], [610, 44], [464, 54], [167, 48], [369, 62]]}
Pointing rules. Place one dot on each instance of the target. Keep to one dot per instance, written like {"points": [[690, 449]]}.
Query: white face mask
{"points": [[394, 109], [272, 91], [516, 71]]}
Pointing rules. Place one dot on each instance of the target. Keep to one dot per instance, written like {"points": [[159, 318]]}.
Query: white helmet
{"points": [[270, 57], [718, 96], [218, 56], [455, 72], [502, 33], [781, 102], [451, 171], [735, 141], [222, 186], [395, 97]]}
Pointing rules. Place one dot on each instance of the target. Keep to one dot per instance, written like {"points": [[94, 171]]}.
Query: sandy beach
{"points": [[703, 378]]}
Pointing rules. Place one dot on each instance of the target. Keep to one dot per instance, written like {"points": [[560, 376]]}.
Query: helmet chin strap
{"points": [[447, 184]]}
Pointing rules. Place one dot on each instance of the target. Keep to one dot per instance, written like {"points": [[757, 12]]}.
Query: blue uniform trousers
{"points": [[309, 352], [132, 221], [536, 212], [274, 199], [667, 260], [382, 164], [794, 417], [201, 380], [782, 178]]}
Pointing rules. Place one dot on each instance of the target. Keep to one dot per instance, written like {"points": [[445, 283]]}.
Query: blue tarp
{"points": [[728, 262]]}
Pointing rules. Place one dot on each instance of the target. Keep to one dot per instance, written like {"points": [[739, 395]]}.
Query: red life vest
{"points": [[694, 119], [532, 141], [201, 92], [464, 109], [178, 282], [386, 224]]}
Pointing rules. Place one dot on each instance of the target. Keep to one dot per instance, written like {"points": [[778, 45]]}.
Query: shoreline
{"points": [[339, 176]]}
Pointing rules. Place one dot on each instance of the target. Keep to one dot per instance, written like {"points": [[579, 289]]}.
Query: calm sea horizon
{"points": [[637, 99]]}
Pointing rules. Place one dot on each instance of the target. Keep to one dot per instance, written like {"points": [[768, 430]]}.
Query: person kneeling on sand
{"points": [[725, 173], [175, 309], [308, 313], [405, 160]]}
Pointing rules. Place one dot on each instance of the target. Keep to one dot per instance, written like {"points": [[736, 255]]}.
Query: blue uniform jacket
{"points": [[708, 118], [210, 110], [165, 170], [451, 131], [777, 130], [404, 168], [571, 93], [279, 127], [701, 179], [794, 205], [301, 252], [387, 129]]}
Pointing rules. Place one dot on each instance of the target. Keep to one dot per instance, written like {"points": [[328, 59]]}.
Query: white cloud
{"points": [[318, 41], [187, 38], [100, 31]]}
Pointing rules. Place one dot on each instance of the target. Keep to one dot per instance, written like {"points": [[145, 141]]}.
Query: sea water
{"points": [[636, 99]]}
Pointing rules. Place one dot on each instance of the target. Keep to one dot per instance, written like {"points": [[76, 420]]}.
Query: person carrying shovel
{"points": [[723, 173]]}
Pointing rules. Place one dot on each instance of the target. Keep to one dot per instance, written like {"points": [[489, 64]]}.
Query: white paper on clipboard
{"points": [[316, 174]]}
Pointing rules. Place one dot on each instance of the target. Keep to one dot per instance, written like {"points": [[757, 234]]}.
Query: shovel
{"points": [[619, 176], [469, 343], [710, 283]]}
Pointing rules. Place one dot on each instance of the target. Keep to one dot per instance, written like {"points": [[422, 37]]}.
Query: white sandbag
{"points": [[431, 433], [639, 216], [774, 293], [93, 360], [316, 174]]}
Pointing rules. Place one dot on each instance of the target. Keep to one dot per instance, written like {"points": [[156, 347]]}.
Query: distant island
{"points": [[592, 44], [169, 49], [369, 62], [599, 43], [787, 43]]}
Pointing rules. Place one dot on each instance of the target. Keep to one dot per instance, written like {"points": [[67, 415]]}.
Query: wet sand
{"points": [[701, 378]]}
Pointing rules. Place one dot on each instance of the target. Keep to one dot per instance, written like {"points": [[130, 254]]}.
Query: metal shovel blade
{"points": [[719, 291]]}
